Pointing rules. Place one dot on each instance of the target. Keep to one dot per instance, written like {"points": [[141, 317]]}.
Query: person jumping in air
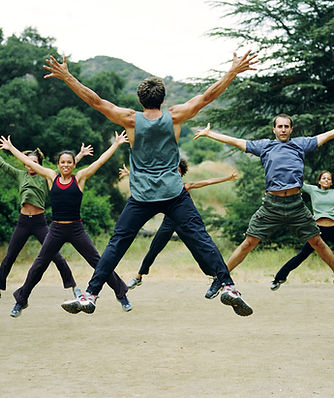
{"points": [[66, 191], [155, 183], [322, 199], [34, 191], [283, 161]]}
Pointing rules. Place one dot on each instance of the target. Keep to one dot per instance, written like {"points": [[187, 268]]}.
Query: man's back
{"points": [[154, 159]]}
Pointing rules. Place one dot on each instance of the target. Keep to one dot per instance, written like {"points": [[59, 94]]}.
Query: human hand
{"points": [[122, 138], [5, 143], [234, 176], [203, 133], [60, 71], [86, 150], [123, 172], [244, 63]]}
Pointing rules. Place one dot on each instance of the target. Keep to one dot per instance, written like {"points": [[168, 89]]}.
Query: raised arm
{"points": [[122, 116], [210, 181], [84, 151], [182, 112], [225, 139], [45, 172], [83, 174], [324, 137]]}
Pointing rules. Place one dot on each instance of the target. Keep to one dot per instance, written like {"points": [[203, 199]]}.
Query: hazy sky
{"points": [[162, 37]]}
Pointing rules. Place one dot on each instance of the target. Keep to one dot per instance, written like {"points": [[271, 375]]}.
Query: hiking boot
{"points": [[230, 296], [126, 305], [134, 282], [214, 289], [275, 285], [17, 310]]}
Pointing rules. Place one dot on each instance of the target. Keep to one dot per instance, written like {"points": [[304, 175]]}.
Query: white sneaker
{"points": [[134, 282], [87, 302], [230, 296], [275, 285]]}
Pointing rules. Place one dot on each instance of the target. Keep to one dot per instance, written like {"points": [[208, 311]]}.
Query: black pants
{"points": [[159, 242], [59, 234], [182, 211], [327, 234], [27, 226]]}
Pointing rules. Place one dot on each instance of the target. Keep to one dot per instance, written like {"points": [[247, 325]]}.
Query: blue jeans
{"points": [[327, 234], [182, 211]]}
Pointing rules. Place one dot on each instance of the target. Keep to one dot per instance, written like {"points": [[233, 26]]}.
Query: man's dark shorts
{"points": [[277, 211]]}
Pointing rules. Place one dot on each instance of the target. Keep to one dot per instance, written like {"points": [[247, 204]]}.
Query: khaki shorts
{"points": [[277, 211]]}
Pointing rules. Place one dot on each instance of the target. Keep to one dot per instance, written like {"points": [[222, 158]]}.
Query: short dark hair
{"points": [[183, 165], [36, 152], [66, 152], [151, 92], [283, 115]]}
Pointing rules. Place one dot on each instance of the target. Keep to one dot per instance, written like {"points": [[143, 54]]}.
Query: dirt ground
{"points": [[173, 344]]}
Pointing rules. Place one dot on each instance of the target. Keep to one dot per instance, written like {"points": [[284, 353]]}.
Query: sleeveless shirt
{"points": [[65, 200], [154, 160]]}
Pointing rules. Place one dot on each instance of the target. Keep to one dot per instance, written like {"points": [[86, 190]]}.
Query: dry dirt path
{"points": [[174, 344]]}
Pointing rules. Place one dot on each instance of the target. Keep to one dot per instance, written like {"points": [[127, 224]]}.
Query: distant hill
{"points": [[177, 92]]}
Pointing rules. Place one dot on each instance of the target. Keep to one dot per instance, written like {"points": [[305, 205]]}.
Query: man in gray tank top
{"points": [[155, 184]]}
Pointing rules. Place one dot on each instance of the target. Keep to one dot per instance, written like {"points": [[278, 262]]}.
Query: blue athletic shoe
{"points": [[214, 289], [126, 305], [17, 310]]}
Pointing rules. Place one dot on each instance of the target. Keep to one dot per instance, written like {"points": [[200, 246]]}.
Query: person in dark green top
{"points": [[33, 191]]}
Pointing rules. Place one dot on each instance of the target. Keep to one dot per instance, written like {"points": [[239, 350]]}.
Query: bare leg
{"points": [[323, 250], [241, 251]]}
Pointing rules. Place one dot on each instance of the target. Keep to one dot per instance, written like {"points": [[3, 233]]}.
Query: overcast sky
{"points": [[162, 37]]}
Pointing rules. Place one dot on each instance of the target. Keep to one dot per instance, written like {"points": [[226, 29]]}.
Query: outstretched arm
{"points": [[45, 172], [121, 116], [225, 139], [210, 181], [182, 112], [324, 137], [84, 151], [84, 174]]}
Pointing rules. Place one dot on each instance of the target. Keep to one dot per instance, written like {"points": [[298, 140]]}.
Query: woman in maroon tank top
{"points": [[66, 226]]}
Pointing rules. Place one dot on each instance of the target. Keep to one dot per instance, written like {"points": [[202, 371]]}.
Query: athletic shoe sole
{"points": [[71, 306], [239, 306], [88, 308]]}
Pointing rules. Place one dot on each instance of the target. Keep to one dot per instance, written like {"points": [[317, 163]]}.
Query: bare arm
{"points": [[211, 181], [325, 137], [122, 116], [181, 113], [84, 151], [225, 139], [84, 174], [45, 172]]}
